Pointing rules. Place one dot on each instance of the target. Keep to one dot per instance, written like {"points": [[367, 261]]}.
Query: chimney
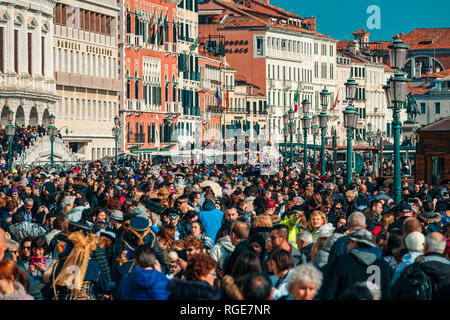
{"points": [[353, 47]]}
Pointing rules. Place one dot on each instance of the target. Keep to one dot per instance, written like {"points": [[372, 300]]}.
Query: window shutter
{"points": [[1, 50]]}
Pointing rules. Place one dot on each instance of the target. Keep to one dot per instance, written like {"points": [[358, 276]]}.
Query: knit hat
{"points": [[140, 211]]}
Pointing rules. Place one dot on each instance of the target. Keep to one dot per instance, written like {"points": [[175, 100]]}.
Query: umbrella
{"points": [[217, 189], [382, 196]]}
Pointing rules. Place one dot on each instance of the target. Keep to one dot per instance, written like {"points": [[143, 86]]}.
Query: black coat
{"points": [[241, 247], [351, 268], [192, 290]]}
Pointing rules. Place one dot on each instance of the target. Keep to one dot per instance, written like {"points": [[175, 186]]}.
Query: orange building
{"points": [[149, 104]]}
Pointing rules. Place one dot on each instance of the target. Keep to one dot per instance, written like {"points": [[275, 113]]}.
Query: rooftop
{"points": [[427, 38], [440, 125]]}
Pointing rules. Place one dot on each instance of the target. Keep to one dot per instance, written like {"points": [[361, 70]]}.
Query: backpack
{"points": [[417, 285]]}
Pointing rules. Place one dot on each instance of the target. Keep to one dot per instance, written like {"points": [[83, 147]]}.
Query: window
{"points": [[30, 53], [16, 51], [259, 46], [437, 107], [423, 108]]}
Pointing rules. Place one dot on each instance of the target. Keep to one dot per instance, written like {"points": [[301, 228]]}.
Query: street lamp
{"points": [[396, 97], [52, 132], [315, 132], [323, 118], [306, 124], [286, 133], [299, 136], [116, 132], [291, 116], [350, 122], [10, 132]]}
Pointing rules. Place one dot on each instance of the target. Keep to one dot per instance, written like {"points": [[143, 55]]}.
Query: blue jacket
{"points": [[144, 284], [211, 221]]}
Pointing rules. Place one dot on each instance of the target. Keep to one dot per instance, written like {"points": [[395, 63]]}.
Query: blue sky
{"points": [[339, 18]]}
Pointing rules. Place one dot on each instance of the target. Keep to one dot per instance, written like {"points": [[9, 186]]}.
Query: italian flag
{"points": [[296, 100]]}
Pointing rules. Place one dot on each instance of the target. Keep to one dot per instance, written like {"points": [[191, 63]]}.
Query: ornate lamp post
{"points": [[350, 122], [10, 132], [306, 124], [396, 97], [299, 136], [323, 118], [116, 133], [52, 132], [291, 117], [315, 132], [286, 133]]}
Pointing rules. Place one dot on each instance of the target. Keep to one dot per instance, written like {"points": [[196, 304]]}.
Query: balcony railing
{"points": [[135, 138], [205, 84], [173, 107]]}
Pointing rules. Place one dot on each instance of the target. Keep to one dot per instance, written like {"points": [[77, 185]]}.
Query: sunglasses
{"points": [[190, 249], [27, 248]]}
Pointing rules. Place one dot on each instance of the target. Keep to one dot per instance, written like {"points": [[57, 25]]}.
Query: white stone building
{"points": [[27, 85], [85, 56]]}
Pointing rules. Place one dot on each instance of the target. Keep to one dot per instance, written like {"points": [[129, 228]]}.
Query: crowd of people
{"points": [[143, 231]]}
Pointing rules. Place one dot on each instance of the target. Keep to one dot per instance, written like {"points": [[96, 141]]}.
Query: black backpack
{"points": [[417, 285]]}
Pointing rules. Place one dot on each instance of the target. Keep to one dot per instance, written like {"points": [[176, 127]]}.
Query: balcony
{"points": [[285, 55], [173, 107], [136, 138], [205, 85], [205, 117], [271, 83], [287, 84]]}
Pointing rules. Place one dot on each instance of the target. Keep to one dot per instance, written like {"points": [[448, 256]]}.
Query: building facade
{"points": [[85, 61], [27, 83], [274, 51]]}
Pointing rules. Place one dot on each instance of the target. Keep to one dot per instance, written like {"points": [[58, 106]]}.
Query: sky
{"points": [[340, 18]]}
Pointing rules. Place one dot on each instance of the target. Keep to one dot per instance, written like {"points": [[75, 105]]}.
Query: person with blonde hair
{"points": [[316, 220]]}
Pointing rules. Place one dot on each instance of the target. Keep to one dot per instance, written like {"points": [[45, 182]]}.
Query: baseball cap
{"points": [[116, 215], [405, 207]]}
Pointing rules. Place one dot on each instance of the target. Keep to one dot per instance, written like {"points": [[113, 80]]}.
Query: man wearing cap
{"points": [[404, 212], [116, 221], [359, 265]]}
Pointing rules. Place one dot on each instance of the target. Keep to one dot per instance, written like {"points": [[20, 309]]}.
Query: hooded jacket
{"points": [[144, 284], [211, 219], [353, 267], [221, 252]]}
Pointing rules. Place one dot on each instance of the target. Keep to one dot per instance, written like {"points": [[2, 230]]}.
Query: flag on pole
{"points": [[165, 22], [227, 100], [219, 101], [335, 101], [296, 100]]}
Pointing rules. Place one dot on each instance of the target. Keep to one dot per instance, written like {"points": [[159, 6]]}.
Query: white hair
{"points": [[306, 273], [12, 244], [435, 244], [415, 241], [356, 220], [305, 235]]}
